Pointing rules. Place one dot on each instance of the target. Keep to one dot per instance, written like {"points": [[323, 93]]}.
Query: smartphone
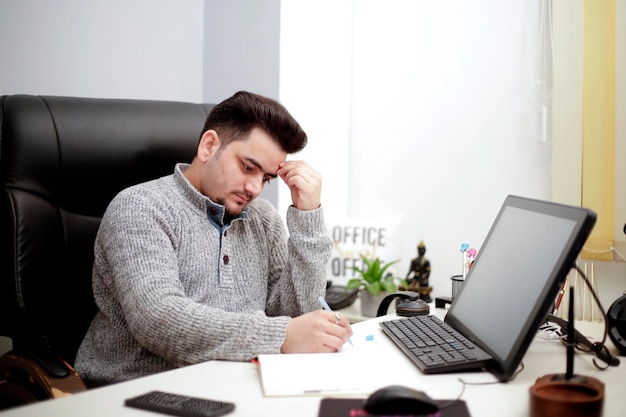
{"points": [[180, 405]]}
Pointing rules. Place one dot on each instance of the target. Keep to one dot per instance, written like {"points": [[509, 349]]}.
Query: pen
{"points": [[327, 308], [560, 297]]}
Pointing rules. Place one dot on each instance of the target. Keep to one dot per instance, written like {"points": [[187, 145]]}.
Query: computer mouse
{"points": [[400, 400]]}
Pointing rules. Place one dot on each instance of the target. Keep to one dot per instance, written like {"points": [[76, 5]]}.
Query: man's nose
{"points": [[254, 186]]}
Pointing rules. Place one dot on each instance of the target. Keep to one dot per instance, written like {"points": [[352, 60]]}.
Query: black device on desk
{"points": [[617, 323], [180, 405], [408, 304], [510, 288], [396, 400], [338, 297]]}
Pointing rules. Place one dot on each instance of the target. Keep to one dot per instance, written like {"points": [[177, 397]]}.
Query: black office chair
{"points": [[62, 159]]}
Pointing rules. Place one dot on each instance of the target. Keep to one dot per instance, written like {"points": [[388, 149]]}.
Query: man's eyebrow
{"points": [[258, 165]]}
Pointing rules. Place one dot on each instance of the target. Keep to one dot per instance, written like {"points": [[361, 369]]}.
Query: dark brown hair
{"points": [[235, 117]]}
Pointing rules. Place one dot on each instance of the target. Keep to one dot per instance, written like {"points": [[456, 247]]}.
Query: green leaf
{"points": [[388, 286], [373, 289], [372, 276], [354, 283]]}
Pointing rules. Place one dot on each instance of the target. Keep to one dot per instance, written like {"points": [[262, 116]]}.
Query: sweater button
{"points": [[212, 211], [226, 259]]}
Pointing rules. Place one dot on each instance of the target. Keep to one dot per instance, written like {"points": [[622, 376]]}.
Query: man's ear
{"points": [[209, 144]]}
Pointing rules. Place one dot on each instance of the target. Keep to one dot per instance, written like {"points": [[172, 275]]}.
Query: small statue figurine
{"points": [[420, 268]]}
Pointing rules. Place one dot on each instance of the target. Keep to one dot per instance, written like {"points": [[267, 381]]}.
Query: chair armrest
{"points": [[23, 380]]}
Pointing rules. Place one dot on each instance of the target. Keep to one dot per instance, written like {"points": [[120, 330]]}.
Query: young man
{"points": [[192, 267]]}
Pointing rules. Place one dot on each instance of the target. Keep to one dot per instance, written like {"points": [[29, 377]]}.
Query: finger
{"points": [[305, 185], [293, 169], [346, 325], [333, 342], [340, 330], [331, 339], [337, 318], [343, 322]]}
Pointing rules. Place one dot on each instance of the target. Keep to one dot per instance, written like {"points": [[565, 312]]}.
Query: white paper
{"points": [[313, 373]]}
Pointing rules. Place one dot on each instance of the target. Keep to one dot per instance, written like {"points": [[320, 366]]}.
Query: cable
{"points": [[559, 332], [465, 383], [458, 397], [600, 349], [611, 249]]}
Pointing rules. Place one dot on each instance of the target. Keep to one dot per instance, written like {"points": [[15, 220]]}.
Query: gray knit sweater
{"points": [[175, 287]]}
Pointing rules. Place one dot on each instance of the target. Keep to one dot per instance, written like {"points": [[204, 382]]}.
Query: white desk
{"points": [[239, 383]]}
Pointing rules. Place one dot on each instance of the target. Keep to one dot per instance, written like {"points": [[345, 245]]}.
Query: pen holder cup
{"points": [[457, 284], [553, 396]]}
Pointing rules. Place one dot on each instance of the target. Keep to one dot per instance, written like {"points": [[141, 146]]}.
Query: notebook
{"points": [[513, 282]]}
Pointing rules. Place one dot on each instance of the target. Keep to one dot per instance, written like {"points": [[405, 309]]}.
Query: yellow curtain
{"points": [[598, 166]]}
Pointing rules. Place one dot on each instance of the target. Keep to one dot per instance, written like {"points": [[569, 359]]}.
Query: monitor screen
{"points": [[518, 271]]}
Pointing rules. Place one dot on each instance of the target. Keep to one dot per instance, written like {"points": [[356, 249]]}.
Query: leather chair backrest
{"points": [[62, 160]]}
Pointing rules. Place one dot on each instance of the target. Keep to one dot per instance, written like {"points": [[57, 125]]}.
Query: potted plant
{"points": [[376, 281]]}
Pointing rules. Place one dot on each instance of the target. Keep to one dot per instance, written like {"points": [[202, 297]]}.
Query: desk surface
{"points": [[239, 382]]}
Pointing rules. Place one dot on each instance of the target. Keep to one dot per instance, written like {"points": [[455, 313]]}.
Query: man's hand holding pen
{"points": [[319, 331]]}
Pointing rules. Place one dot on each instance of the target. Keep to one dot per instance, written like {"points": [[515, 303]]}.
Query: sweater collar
{"points": [[216, 213]]}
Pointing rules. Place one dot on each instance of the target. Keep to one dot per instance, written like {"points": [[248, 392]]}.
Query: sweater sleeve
{"points": [[295, 285]]}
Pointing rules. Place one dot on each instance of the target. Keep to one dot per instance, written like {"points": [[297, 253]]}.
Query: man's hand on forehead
{"points": [[304, 182]]}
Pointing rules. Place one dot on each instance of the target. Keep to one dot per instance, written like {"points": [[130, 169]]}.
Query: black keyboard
{"points": [[433, 345]]}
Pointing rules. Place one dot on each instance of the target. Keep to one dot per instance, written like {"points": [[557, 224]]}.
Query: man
{"points": [[192, 267]]}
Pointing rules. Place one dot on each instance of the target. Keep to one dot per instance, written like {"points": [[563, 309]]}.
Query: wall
{"points": [[454, 83], [316, 86], [149, 49], [241, 52], [442, 104]]}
